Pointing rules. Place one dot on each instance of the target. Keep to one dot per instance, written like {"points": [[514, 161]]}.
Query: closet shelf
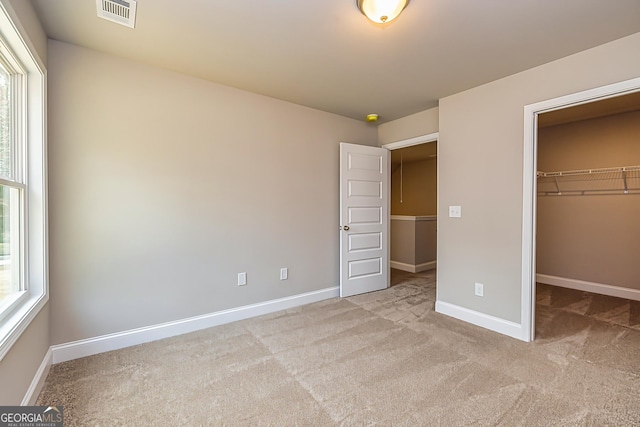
{"points": [[603, 181]]}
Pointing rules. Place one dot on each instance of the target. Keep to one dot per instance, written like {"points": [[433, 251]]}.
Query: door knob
{"points": [[345, 228]]}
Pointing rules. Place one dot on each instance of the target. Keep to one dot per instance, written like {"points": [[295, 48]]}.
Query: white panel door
{"points": [[364, 219]]}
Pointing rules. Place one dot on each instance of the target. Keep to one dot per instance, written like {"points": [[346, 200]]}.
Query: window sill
{"points": [[15, 323]]}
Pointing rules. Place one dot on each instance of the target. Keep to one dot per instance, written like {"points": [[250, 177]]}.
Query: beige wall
{"points": [[403, 241], [164, 187], [422, 123], [413, 240], [480, 150], [426, 241], [20, 364], [419, 188], [593, 238]]}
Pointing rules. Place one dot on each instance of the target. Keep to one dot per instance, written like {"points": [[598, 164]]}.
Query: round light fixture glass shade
{"points": [[381, 11]]}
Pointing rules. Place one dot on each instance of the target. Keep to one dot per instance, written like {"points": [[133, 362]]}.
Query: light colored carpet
{"points": [[384, 358]]}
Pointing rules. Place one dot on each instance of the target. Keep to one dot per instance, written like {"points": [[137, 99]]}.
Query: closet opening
{"points": [[588, 205], [581, 201]]}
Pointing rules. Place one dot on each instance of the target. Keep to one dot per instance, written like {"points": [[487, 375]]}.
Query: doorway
{"points": [[413, 204], [533, 115]]}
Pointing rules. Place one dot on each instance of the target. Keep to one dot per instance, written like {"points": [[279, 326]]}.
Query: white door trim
{"points": [[422, 139], [529, 185]]}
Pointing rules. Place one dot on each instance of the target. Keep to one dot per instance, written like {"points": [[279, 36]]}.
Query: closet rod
{"points": [[592, 181], [607, 192], [588, 171]]}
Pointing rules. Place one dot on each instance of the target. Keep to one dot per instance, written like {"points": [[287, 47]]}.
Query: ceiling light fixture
{"points": [[381, 11]]}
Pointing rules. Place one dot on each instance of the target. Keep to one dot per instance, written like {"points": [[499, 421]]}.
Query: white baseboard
{"points": [[411, 268], [37, 383], [486, 321], [426, 266], [596, 288], [101, 344]]}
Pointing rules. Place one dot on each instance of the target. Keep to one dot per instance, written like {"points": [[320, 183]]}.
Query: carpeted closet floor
{"points": [[384, 358]]}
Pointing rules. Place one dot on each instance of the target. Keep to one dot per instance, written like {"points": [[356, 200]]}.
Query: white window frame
{"points": [[31, 174], [17, 179]]}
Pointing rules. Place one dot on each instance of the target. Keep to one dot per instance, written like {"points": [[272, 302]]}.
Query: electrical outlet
{"points": [[242, 279], [455, 211], [479, 289], [284, 273]]}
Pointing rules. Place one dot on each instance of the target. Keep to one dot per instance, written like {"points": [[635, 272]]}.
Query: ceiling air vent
{"points": [[118, 11]]}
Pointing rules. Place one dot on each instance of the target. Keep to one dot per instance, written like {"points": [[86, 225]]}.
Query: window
{"points": [[12, 185], [23, 225]]}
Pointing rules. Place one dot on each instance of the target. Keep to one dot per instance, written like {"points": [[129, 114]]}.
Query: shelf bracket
{"points": [[555, 178], [624, 179]]}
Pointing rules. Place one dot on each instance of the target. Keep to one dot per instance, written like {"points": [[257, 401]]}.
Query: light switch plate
{"points": [[242, 279]]}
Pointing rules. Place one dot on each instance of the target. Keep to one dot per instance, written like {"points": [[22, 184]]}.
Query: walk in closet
{"points": [[588, 197]]}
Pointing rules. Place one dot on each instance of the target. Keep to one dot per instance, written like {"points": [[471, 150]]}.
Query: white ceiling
{"points": [[326, 55]]}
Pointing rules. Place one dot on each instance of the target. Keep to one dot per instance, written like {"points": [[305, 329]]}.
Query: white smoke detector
{"points": [[122, 12]]}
